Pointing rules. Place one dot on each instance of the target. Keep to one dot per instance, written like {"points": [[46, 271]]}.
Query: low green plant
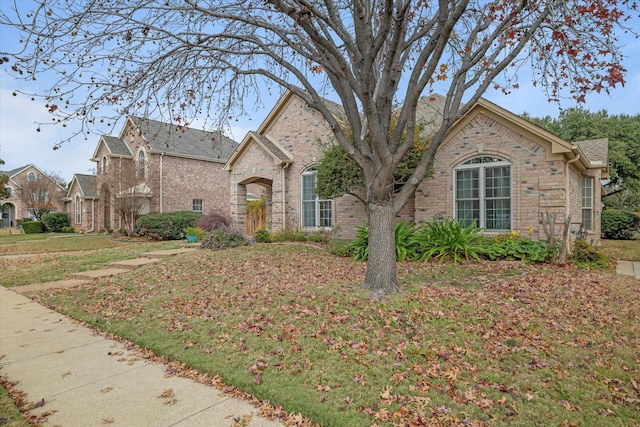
{"points": [[263, 235], [403, 232], [68, 230], [588, 257], [166, 226], [55, 221], [340, 248], [619, 224], [33, 227], [224, 238], [517, 249], [446, 238]]}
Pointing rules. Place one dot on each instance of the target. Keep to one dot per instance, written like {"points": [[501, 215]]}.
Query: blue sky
{"points": [[21, 144]]}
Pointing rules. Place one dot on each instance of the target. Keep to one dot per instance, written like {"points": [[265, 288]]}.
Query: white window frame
{"points": [[320, 206], [485, 163], [141, 163], [194, 204], [78, 210], [31, 176], [587, 192]]}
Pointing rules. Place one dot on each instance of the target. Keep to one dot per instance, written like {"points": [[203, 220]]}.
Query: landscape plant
{"points": [[55, 222], [403, 232], [619, 224], [166, 226], [224, 238], [213, 220], [517, 248], [585, 255], [31, 227], [446, 239]]}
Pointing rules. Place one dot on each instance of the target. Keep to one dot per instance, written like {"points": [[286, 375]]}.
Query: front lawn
{"points": [[492, 343], [628, 250]]}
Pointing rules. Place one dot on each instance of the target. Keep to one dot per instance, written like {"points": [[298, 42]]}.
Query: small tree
{"points": [[42, 193], [5, 192]]}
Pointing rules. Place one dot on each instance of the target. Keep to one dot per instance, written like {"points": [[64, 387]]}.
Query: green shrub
{"points": [[586, 256], [223, 238], [263, 235], [68, 230], [55, 221], [446, 238], [166, 226], [33, 227], [288, 235], [517, 249], [619, 224], [213, 220], [359, 247], [341, 248]]}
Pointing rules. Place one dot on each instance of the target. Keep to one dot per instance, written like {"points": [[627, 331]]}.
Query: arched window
{"points": [[142, 164], [105, 167], [78, 210], [316, 212], [31, 176], [483, 193]]}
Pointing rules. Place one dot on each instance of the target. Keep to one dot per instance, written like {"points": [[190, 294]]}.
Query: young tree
{"points": [[194, 58], [42, 194], [5, 193]]}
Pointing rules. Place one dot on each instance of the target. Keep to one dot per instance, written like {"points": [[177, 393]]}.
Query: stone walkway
{"points": [[80, 378]]}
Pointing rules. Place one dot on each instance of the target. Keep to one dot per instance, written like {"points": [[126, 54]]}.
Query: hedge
{"points": [[166, 226], [55, 221], [619, 224], [33, 227]]}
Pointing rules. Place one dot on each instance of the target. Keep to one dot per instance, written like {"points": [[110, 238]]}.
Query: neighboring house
{"points": [[47, 194], [81, 203], [495, 168], [157, 167]]}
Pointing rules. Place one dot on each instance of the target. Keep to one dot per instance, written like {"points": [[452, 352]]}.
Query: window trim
{"points": [[32, 176], [78, 210], [320, 205], [486, 161], [193, 205], [590, 207], [141, 163]]}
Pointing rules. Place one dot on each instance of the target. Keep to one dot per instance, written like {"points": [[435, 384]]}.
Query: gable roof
{"points": [[87, 183], [115, 146], [280, 155], [595, 150], [14, 172], [184, 141]]}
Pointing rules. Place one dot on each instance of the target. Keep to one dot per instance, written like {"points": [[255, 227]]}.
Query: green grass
{"points": [[492, 343], [9, 413], [628, 250], [26, 260]]}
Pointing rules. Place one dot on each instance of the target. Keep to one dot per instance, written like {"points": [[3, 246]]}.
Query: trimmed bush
{"points": [[68, 230], [166, 226], [55, 221], [619, 224], [224, 238], [33, 227]]}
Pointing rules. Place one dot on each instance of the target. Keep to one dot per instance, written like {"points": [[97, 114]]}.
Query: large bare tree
{"points": [[203, 58]]}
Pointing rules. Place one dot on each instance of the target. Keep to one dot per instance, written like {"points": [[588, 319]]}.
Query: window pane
{"points": [[468, 211], [587, 203], [308, 187], [467, 184], [309, 214], [498, 214], [325, 213]]}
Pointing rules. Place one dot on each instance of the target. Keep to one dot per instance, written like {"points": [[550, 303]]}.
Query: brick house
{"points": [[47, 194], [494, 167], [152, 166]]}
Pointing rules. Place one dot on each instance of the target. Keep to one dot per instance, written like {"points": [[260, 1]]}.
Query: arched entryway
{"points": [[8, 212], [252, 209]]}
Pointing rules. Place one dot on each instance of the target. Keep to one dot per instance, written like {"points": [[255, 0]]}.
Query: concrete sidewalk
{"points": [[628, 268], [88, 380]]}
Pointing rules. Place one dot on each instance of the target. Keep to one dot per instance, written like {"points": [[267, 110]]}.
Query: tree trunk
{"points": [[381, 277]]}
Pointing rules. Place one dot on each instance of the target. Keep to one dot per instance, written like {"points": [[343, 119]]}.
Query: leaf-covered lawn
{"points": [[478, 344]]}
